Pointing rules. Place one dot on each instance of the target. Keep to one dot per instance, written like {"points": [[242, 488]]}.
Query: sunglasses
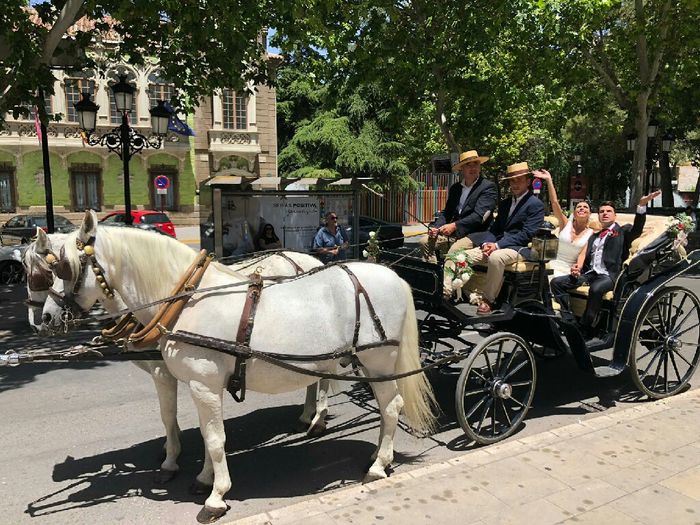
{"points": [[333, 218]]}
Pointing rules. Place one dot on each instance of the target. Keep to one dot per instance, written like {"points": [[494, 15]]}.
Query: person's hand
{"points": [[433, 232], [334, 251], [488, 248], [542, 174], [575, 270], [448, 229], [647, 198]]}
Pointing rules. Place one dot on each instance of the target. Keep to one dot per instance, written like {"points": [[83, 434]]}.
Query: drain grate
{"points": [[592, 406]]}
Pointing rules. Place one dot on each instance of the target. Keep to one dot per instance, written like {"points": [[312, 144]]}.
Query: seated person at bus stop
{"points": [[505, 242], [469, 206], [600, 261], [330, 241]]}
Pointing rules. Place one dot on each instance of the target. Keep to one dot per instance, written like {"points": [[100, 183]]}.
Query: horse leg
{"points": [[211, 424], [390, 405], [318, 424], [304, 421], [166, 388]]}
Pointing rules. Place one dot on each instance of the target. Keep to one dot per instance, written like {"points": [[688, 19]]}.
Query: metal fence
{"points": [[409, 207]]}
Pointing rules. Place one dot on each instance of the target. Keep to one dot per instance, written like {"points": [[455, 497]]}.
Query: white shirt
{"points": [[466, 190], [598, 266], [515, 202]]}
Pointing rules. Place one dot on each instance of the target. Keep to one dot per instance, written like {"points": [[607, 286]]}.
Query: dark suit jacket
{"points": [[617, 246], [517, 230], [477, 212]]}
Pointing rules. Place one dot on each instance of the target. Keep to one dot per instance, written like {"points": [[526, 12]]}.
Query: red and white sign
{"points": [[161, 182]]}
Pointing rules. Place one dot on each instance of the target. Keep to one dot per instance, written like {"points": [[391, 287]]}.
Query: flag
{"points": [[177, 125], [37, 124]]}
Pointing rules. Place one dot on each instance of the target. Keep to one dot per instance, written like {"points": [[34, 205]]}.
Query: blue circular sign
{"points": [[161, 182], [537, 184]]}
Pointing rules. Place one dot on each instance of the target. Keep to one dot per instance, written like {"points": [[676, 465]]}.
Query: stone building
{"points": [[234, 133]]}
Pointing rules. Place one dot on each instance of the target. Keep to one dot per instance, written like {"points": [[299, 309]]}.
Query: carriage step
{"points": [[597, 343], [608, 370]]}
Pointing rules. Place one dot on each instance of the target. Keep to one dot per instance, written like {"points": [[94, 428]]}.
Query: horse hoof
{"points": [[374, 475], [210, 515], [197, 488], [317, 430], [164, 475]]}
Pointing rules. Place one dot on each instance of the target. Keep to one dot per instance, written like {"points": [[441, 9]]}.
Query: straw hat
{"points": [[516, 170], [467, 157]]}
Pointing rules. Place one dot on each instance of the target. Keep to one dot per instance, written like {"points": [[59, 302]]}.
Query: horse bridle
{"points": [[61, 268]]}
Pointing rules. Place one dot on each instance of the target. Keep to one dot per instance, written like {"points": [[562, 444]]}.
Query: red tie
{"points": [[605, 232]]}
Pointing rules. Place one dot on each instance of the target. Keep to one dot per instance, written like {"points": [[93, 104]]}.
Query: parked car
{"points": [[11, 269], [147, 218], [21, 228], [390, 235]]}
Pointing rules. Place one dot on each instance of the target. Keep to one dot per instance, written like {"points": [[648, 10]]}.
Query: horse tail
{"points": [[419, 401]]}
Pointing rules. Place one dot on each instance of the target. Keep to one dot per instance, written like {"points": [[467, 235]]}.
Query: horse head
{"points": [[37, 261]]}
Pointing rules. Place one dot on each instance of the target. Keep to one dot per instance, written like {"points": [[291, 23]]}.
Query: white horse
{"points": [[40, 278], [304, 317]]}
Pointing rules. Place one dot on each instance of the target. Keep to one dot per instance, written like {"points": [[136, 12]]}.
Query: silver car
{"points": [[11, 269]]}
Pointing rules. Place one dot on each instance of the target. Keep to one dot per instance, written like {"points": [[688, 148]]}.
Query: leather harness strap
{"points": [[236, 383], [298, 269], [359, 289]]}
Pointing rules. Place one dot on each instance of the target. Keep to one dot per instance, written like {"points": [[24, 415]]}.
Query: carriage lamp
{"points": [[545, 244], [123, 140]]}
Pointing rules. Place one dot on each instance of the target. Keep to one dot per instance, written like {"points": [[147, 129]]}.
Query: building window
{"points": [[159, 89], [7, 188], [74, 86], [86, 187], [112, 78], [235, 109], [168, 200]]}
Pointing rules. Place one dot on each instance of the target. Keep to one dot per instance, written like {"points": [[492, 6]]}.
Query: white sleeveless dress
{"points": [[568, 251]]}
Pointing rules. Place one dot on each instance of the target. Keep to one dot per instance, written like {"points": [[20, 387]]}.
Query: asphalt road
{"points": [[80, 442]]}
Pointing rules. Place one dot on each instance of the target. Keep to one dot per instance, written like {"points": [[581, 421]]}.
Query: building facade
{"points": [[234, 133]]}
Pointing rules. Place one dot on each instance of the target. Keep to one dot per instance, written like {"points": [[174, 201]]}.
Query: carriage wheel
{"points": [[495, 388], [666, 346]]}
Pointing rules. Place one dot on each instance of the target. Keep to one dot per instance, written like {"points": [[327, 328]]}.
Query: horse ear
{"points": [[89, 226], [43, 244]]}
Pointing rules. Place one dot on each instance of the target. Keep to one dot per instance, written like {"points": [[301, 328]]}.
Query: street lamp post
{"points": [[124, 140], [652, 153]]}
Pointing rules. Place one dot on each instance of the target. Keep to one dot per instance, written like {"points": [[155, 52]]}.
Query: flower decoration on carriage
{"points": [[371, 253], [679, 226], [458, 268]]}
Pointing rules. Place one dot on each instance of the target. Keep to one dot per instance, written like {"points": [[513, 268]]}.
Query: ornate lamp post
{"points": [[652, 153], [124, 140]]}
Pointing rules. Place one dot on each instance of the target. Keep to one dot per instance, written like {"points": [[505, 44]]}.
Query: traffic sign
{"points": [[162, 191], [536, 186], [161, 182]]}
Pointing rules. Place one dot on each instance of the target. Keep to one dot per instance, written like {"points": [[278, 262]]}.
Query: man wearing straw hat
{"points": [[506, 240], [470, 204]]}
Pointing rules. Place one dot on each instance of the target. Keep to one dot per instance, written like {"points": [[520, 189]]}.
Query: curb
{"points": [[475, 458]]}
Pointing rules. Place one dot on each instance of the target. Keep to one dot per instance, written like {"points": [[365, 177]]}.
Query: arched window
{"points": [[235, 109], [112, 78], [159, 88], [76, 82]]}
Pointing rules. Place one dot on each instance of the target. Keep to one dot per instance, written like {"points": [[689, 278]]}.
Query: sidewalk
{"points": [[640, 465]]}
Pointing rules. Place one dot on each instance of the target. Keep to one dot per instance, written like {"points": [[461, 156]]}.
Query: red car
{"points": [[155, 219]]}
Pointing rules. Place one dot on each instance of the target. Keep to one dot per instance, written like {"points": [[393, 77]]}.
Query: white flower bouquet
{"points": [[458, 268], [679, 226], [372, 251]]}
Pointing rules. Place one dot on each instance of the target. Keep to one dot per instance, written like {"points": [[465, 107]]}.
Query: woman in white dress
{"points": [[573, 232]]}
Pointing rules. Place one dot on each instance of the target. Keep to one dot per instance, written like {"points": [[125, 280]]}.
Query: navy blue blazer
{"points": [[617, 246], [477, 212], [517, 230]]}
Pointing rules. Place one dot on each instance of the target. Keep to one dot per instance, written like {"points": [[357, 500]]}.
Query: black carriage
{"points": [[651, 326]]}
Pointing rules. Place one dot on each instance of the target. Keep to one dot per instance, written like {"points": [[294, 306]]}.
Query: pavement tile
{"points": [[296, 512], [474, 459], [514, 481], [657, 504], [540, 512], [572, 430], [687, 483], [612, 446], [605, 514], [317, 519], [567, 463], [598, 422], [257, 519], [428, 469], [586, 496], [541, 439], [507, 449], [637, 476], [677, 460]]}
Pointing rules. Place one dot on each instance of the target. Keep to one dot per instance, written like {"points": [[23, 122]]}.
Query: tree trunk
{"points": [[442, 122], [666, 175], [639, 161]]}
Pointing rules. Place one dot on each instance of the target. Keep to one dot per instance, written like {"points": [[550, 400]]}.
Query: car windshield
{"points": [[40, 221], [154, 218], [57, 220]]}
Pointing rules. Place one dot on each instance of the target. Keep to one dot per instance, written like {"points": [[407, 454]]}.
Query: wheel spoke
{"points": [[650, 363], [656, 373], [473, 392], [680, 325], [655, 349], [678, 334], [675, 367], [661, 316], [506, 365], [488, 361], [520, 383], [516, 369], [688, 343], [678, 312], [683, 358], [649, 341], [505, 411], [483, 414], [666, 372], [648, 321], [476, 406], [498, 357], [517, 402], [479, 374], [668, 310]]}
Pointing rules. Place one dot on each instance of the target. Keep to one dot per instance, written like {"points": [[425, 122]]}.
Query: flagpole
{"points": [[48, 191]]}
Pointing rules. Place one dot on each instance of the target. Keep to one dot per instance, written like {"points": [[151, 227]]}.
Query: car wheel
{"points": [[11, 272]]}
